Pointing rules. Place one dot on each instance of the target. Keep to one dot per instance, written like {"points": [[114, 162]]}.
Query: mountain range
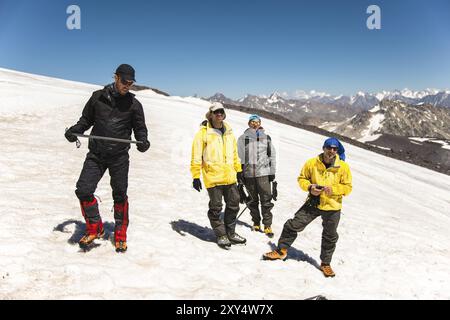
{"points": [[404, 113], [361, 100], [409, 125]]}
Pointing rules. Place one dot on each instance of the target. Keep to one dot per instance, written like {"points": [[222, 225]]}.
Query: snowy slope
{"points": [[394, 232]]}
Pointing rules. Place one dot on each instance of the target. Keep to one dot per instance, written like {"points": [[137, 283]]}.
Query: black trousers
{"points": [[93, 170], [304, 216], [260, 191], [230, 194]]}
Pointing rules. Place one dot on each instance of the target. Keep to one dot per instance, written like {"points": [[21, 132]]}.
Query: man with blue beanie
{"points": [[258, 160], [327, 179]]}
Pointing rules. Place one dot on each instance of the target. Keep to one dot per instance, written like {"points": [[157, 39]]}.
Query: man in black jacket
{"points": [[113, 112]]}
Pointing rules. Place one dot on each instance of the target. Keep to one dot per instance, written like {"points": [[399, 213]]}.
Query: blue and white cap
{"points": [[254, 117]]}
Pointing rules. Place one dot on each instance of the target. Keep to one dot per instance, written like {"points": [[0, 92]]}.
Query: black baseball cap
{"points": [[126, 72]]}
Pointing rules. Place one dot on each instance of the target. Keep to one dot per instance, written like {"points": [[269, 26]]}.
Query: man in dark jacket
{"points": [[113, 112]]}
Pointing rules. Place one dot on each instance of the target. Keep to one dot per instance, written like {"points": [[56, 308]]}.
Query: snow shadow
{"points": [[242, 223], [298, 255], [203, 233], [80, 228]]}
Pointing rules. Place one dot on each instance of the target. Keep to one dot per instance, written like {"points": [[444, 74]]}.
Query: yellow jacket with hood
{"points": [[215, 155], [337, 176]]}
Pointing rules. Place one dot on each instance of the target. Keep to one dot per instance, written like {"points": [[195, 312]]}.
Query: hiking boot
{"points": [[121, 246], [223, 242], [89, 238], [268, 231], [256, 228], [277, 254], [236, 239], [327, 271]]}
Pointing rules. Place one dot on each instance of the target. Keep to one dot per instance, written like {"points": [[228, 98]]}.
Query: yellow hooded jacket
{"points": [[215, 155], [337, 176]]}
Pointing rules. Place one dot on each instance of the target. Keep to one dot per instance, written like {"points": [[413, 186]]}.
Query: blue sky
{"points": [[234, 47]]}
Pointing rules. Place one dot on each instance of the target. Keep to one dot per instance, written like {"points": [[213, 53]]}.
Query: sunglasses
{"points": [[126, 82], [220, 111], [331, 148]]}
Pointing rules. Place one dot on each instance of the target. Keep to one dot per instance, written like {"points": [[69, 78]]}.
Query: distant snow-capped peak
{"points": [[303, 95], [406, 93], [418, 94]]}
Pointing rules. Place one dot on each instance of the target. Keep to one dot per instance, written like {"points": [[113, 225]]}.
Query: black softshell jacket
{"points": [[112, 115]]}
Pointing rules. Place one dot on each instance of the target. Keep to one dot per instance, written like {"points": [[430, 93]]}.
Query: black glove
{"points": [[197, 185], [274, 191], [240, 178], [242, 195], [142, 147], [70, 136], [271, 177]]}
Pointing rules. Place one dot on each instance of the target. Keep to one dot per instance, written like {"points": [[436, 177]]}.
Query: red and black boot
{"points": [[94, 224], [120, 229]]}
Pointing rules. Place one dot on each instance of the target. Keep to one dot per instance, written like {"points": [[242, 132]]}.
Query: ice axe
{"points": [[78, 143]]}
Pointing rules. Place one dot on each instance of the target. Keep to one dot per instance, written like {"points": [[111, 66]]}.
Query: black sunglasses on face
{"points": [[126, 82], [220, 111], [332, 148]]}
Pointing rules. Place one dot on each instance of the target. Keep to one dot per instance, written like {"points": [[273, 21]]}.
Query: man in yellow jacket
{"points": [[215, 156], [327, 178]]}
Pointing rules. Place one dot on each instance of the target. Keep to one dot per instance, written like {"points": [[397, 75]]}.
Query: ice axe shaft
{"points": [[106, 138]]}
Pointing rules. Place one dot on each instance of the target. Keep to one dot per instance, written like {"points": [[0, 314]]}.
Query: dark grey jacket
{"points": [[257, 153]]}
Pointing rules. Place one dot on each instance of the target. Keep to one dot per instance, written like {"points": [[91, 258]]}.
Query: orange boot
{"points": [[121, 246], [277, 254], [326, 269], [89, 238]]}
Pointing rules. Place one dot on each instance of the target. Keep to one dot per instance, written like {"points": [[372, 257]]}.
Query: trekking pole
{"points": [[240, 214], [248, 198]]}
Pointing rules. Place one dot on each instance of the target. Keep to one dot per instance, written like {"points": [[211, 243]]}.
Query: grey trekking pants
{"points": [[260, 191], [230, 194], [304, 216]]}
